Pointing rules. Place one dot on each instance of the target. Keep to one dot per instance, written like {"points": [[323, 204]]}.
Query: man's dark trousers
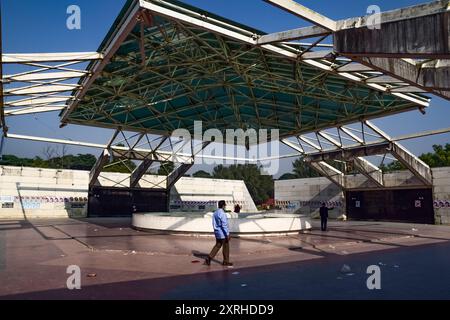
{"points": [[226, 249], [323, 223]]}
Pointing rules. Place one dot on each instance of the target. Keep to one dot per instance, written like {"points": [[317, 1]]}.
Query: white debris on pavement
{"points": [[346, 268]]}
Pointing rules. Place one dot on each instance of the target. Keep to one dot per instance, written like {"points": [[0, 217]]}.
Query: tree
{"points": [[260, 187], [202, 174], [82, 162], [124, 166], [288, 176], [78, 162], [393, 166], [303, 170], [11, 160], [120, 165], [166, 168], [62, 152], [439, 158], [48, 152]]}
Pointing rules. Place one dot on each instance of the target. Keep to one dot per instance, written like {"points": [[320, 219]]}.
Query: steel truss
{"points": [[149, 151], [47, 85], [350, 146]]}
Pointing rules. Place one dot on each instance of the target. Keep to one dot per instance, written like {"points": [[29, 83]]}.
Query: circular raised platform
{"points": [[264, 224]]}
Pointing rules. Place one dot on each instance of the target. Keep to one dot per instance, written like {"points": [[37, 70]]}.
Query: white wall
{"points": [[197, 190], [35, 193], [310, 193], [441, 195]]}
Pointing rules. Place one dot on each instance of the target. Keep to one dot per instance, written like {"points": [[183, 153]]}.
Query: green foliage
{"points": [[116, 165], [166, 168], [439, 158], [260, 186], [10, 160], [125, 166], [202, 174], [393, 166], [288, 176], [302, 170], [78, 162]]}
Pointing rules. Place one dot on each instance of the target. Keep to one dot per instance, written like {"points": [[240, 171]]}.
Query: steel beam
{"points": [[304, 13], [351, 135], [136, 154], [348, 154], [293, 146], [329, 138], [28, 102], [50, 57], [370, 171], [45, 76], [140, 171], [101, 161], [173, 178], [419, 168], [97, 169], [330, 172], [33, 110], [2, 144], [422, 134], [40, 89], [433, 78], [295, 34]]}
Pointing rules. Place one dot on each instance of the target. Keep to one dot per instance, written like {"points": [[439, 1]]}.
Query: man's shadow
{"points": [[203, 256]]}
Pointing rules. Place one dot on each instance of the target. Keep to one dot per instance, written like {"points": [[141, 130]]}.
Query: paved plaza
{"points": [[118, 262]]}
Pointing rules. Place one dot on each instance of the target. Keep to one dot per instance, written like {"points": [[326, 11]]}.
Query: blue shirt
{"points": [[220, 224]]}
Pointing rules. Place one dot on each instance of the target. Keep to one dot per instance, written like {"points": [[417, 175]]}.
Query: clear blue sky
{"points": [[40, 26]]}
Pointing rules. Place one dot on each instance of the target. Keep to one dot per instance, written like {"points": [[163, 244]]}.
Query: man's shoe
{"points": [[227, 264], [208, 261]]}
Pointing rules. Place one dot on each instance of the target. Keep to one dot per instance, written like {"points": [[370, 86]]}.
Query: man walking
{"points": [[324, 216], [220, 225]]}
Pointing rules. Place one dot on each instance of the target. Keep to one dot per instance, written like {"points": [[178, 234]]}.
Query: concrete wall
{"points": [[308, 193], [441, 195], [38, 193], [190, 191], [403, 179]]}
